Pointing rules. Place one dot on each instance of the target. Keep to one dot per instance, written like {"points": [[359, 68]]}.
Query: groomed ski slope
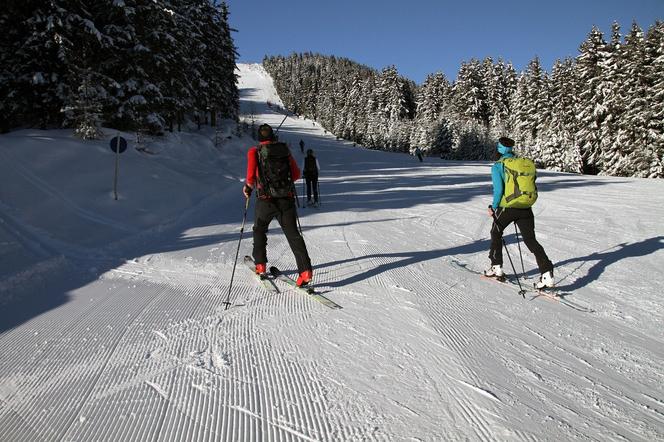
{"points": [[131, 342]]}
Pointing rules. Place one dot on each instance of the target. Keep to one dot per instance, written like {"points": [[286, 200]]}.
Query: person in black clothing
{"points": [[275, 200], [503, 216], [302, 146], [418, 152], [311, 168]]}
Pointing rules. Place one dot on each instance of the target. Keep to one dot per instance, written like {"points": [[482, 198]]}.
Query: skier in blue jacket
{"points": [[504, 216]]}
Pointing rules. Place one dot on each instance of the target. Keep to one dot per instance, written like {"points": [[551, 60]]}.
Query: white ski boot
{"points": [[546, 281], [495, 272]]}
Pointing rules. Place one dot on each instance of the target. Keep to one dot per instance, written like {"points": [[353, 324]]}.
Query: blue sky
{"points": [[421, 37]]}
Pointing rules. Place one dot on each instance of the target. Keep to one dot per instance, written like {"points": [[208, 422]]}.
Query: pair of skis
{"points": [[551, 294], [267, 280]]}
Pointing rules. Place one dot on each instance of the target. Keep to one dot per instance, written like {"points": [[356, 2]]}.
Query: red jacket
{"points": [[252, 167]]}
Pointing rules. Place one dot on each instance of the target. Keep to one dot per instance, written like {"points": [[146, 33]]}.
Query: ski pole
{"points": [[522, 292], [299, 226], [297, 200], [518, 243], [244, 220], [282, 122], [318, 187], [286, 113], [303, 190], [297, 217]]}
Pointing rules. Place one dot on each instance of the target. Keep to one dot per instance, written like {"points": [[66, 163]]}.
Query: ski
{"points": [[264, 279], [499, 279], [279, 275], [505, 280], [557, 296], [552, 294]]}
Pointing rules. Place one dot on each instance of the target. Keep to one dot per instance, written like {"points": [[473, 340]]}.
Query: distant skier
{"points": [[272, 170], [311, 169], [418, 152], [302, 146], [514, 192]]}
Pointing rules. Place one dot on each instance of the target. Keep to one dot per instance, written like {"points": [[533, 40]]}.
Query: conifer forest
{"points": [[151, 65], [127, 64], [601, 112]]}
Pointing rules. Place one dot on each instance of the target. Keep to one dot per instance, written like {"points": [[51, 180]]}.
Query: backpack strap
{"points": [[262, 190]]}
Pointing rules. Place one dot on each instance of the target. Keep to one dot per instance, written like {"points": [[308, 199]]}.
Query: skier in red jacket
{"points": [[272, 170]]}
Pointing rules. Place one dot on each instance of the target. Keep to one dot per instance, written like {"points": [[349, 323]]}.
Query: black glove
{"points": [[247, 191]]}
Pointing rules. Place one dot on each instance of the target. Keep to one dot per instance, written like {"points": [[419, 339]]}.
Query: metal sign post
{"points": [[118, 145]]}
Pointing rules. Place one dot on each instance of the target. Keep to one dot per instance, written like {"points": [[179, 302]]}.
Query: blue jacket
{"points": [[498, 176]]}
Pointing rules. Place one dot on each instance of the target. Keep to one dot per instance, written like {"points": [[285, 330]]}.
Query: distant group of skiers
{"points": [[272, 172]]}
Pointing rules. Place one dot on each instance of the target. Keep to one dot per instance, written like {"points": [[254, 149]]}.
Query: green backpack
{"points": [[520, 189]]}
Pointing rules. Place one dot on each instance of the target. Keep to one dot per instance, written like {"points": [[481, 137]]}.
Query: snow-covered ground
{"points": [[113, 328]]}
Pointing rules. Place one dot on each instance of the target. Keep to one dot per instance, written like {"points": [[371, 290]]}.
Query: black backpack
{"points": [[274, 173], [310, 168]]}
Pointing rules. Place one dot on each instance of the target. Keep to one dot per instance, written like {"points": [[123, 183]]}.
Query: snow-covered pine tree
{"points": [[655, 73], [432, 97], [84, 51], [84, 109], [635, 150], [614, 150], [37, 41], [374, 134], [469, 96], [8, 108], [226, 99], [473, 142], [363, 109], [501, 89], [558, 143], [591, 110], [531, 108], [395, 105], [471, 111], [134, 64], [443, 138]]}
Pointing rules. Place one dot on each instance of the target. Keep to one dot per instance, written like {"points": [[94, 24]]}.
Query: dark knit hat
{"points": [[265, 133], [505, 141]]}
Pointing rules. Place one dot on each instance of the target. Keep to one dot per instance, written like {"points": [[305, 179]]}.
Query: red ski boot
{"points": [[304, 278]]}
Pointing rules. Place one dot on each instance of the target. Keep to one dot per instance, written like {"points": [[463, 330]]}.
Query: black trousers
{"points": [[312, 182], [525, 221], [283, 209]]}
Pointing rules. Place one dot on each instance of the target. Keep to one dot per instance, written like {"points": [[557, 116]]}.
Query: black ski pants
{"points": [[312, 184], [525, 221], [283, 209]]}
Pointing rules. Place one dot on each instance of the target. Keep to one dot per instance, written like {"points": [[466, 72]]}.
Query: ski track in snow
{"points": [[422, 349]]}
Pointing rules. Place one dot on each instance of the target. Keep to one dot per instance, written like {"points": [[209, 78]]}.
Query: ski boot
{"points": [[546, 281], [495, 271], [304, 278]]}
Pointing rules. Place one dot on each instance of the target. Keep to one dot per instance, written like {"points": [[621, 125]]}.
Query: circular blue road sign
{"points": [[115, 141]]}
